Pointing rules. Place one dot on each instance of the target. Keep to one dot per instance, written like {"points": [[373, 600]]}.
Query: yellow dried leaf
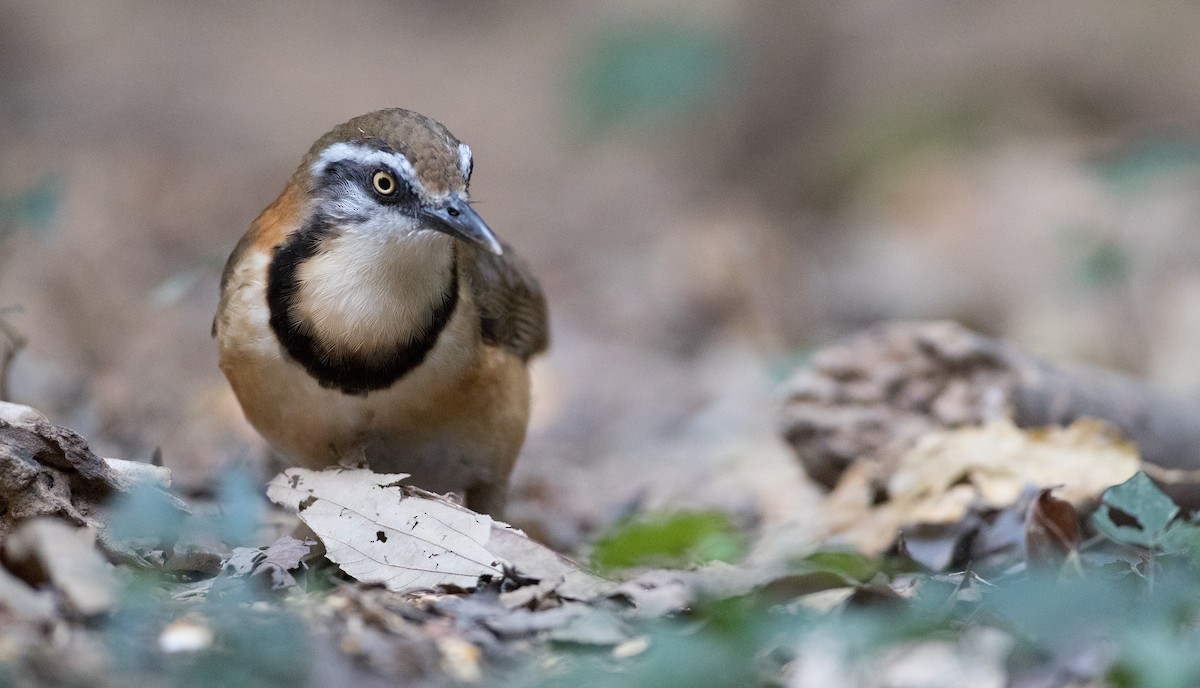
{"points": [[938, 479]]}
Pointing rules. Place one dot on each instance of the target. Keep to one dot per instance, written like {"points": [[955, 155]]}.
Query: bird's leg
{"points": [[488, 497], [356, 457]]}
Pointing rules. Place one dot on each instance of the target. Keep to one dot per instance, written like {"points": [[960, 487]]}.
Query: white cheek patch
{"points": [[348, 200]]}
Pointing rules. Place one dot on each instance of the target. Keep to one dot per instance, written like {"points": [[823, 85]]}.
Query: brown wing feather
{"points": [[512, 308], [242, 246]]}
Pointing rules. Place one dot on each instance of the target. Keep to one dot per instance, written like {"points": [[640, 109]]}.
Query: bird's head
{"points": [[394, 173]]}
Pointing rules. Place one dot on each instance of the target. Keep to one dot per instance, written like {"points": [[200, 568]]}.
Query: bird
{"points": [[370, 315]]}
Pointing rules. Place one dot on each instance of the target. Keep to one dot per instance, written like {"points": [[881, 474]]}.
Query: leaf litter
{"points": [[406, 539], [379, 578]]}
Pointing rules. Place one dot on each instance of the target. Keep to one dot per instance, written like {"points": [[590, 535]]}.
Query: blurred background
{"points": [[707, 189]]}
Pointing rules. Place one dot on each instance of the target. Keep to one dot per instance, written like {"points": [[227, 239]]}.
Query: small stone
{"points": [[188, 634], [631, 648], [20, 413]]}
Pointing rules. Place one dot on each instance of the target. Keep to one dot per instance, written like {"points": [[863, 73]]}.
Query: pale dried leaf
{"points": [[280, 558], [460, 659], [948, 472], [287, 552], [272, 564], [22, 601], [534, 560], [134, 472], [379, 531], [826, 601], [68, 557], [659, 592], [656, 592]]}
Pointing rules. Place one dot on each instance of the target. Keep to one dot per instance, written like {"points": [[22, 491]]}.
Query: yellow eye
{"points": [[384, 183]]}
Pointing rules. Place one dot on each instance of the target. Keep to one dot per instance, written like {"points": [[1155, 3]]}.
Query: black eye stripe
{"points": [[342, 171]]}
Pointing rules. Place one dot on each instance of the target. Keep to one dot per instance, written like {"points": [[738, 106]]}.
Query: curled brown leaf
{"points": [[1051, 531]]}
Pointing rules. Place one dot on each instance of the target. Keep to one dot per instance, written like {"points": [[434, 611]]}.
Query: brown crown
{"points": [[429, 146]]}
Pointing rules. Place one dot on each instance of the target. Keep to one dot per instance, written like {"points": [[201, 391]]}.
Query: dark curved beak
{"points": [[459, 220]]}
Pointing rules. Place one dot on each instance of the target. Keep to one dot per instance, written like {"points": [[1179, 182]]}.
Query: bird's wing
{"points": [[227, 273], [512, 308]]}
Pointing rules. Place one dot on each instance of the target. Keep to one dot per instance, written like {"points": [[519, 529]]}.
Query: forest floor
{"points": [[976, 552]]}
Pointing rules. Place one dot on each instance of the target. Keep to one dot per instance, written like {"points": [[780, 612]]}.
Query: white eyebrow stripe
{"points": [[368, 156], [464, 159]]}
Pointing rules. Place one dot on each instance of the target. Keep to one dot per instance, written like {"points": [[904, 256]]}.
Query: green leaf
{"points": [[1123, 534], [1141, 499], [674, 540], [850, 565], [1183, 538], [1156, 657]]}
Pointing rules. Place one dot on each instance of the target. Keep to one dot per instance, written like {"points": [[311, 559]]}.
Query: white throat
{"points": [[361, 294]]}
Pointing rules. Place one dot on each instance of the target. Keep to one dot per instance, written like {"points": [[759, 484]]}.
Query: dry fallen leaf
{"points": [[946, 473], [140, 472], [67, 558], [1051, 531], [532, 559], [378, 533], [272, 565], [19, 600], [460, 659], [381, 531]]}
